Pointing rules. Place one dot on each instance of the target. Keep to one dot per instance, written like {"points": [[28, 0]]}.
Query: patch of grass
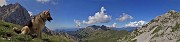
{"points": [[156, 35], [152, 28], [164, 21], [136, 32], [106, 36], [154, 20], [178, 40], [145, 26], [7, 28], [135, 40], [162, 34], [176, 27], [157, 29], [174, 16]]}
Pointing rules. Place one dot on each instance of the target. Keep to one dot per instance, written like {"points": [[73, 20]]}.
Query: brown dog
{"points": [[35, 26], [38, 23]]}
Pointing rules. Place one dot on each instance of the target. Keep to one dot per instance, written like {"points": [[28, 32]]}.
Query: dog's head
{"points": [[47, 15]]}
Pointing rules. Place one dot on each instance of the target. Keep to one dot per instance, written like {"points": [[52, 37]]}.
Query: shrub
{"points": [[176, 27], [157, 29]]}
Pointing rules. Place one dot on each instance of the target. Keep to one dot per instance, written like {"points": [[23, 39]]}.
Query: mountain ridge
{"points": [[163, 28]]}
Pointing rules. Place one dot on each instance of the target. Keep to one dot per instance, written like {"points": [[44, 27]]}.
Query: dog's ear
{"points": [[44, 12], [47, 12]]}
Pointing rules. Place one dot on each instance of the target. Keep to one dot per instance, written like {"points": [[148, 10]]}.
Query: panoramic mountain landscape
{"points": [[89, 21]]}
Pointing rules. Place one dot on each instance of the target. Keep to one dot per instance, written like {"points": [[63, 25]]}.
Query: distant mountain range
{"points": [[129, 29], [91, 33]]}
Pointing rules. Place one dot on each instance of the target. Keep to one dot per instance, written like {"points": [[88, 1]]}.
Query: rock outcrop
{"points": [[48, 31], [14, 13], [164, 28], [95, 27]]}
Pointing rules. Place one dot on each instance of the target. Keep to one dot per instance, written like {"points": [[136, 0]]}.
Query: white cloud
{"points": [[3, 2], [136, 24], [43, 1], [30, 13], [114, 25], [78, 23], [124, 17], [99, 17]]}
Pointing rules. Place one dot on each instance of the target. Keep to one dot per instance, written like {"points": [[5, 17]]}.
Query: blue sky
{"points": [[64, 12]]}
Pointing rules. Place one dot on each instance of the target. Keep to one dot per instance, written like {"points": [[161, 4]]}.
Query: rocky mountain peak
{"points": [[96, 27], [14, 13]]}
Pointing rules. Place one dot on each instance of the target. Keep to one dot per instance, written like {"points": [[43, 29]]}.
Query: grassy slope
{"points": [[106, 36], [7, 28]]}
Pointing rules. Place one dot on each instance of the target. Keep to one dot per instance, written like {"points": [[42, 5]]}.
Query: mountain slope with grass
{"points": [[106, 36], [102, 33], [8, 35]]}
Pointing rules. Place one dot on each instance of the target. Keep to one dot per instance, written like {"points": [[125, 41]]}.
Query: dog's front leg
{"points": [[40, 33]]}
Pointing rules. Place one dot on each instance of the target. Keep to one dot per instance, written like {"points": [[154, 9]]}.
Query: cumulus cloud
{"points": [[114, 25], [3, 2], [99, 17], [43, 1], [30, 13], [78, 23], [124, 17], [136, 24]]}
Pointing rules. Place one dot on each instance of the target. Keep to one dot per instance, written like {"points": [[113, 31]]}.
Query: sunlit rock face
{"points": [[164, 28]]}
